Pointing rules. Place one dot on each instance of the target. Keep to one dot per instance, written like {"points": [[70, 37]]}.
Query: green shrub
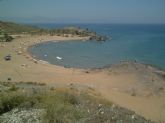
{"points": [[58, 111], [71, 99], [13, 88], [10, 101], [6, 38]]}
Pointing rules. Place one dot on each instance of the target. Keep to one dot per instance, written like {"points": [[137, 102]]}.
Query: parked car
{"points": [[8, 57]]}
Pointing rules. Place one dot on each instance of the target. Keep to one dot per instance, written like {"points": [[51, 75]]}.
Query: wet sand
{"points": [[134, 86]]}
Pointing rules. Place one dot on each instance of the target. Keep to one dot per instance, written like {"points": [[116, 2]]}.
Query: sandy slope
{"points": [[131, 89]]}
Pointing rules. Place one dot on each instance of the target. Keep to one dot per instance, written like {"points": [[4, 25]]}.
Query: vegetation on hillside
{"points": [[4, 37], [38, 103], [71, 31], [13, 28]]}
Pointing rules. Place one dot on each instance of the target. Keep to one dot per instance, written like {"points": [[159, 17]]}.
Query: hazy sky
{"points": [[87, 11]]}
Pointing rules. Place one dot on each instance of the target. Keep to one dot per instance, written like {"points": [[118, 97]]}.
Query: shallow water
{"points": [[143, 43]]}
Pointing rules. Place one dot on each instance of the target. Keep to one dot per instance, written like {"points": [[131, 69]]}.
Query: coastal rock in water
{"points": [[98, 37]]}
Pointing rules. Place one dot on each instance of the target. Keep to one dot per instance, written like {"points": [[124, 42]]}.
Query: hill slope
{"points": [[13, 28], [39, 103]]}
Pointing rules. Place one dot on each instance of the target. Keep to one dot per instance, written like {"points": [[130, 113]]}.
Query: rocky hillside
{"points": [[150, 79], [71, 31], [13, 28], [40, 103]]}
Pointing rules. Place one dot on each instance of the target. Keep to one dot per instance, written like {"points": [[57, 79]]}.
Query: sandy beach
{"points": [[130, 86]]}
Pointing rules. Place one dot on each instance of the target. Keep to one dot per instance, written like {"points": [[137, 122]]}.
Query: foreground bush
{"points": [[61, 105], [10, 101]]}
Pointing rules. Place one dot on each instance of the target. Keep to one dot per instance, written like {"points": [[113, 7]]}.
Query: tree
{"points": [[8, 38]]}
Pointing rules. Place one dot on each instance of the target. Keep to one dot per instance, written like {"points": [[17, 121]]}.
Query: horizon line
{"points": [[17, 22]]}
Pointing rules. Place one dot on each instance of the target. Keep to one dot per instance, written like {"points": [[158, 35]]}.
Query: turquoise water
{"points": [[143, 43]]}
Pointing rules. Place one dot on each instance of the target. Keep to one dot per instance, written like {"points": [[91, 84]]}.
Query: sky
{"points": [[83, 11]]}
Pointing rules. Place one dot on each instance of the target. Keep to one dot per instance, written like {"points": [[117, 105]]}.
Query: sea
{"points": [[144, 43]]}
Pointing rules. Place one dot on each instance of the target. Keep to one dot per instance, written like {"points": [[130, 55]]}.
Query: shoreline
{"points": [[64, 39], [102, 67], [116, 83]]}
